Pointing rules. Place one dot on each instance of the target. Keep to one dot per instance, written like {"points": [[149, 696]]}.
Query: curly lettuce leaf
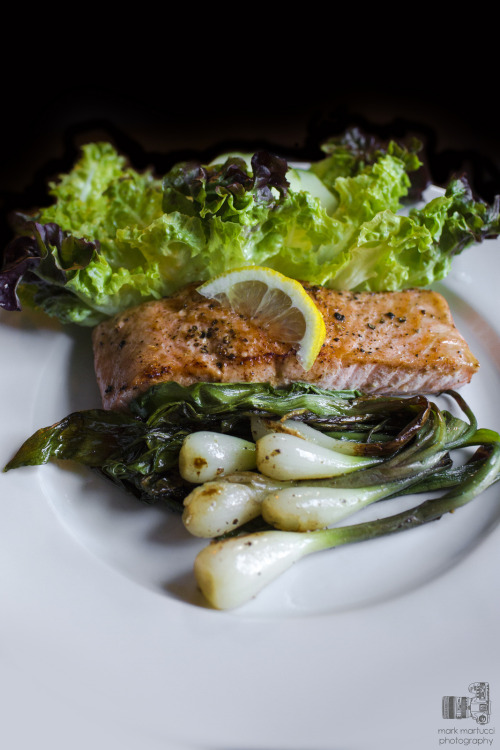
{"points": [[397, 252], [101, 195], [46, 255], [232, 191], [354, 151]]}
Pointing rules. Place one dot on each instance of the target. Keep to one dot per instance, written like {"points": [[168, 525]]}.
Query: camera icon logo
{"points": [[477, 707]]}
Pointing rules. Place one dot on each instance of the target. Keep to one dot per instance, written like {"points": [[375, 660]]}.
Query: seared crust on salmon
{"points": [[377, 342]]}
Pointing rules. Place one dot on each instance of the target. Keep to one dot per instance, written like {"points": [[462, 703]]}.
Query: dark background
{"points": [[158, 110]]}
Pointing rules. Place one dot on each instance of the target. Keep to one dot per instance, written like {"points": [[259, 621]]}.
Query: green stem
{"points": [[429, 510], [472, 428]]}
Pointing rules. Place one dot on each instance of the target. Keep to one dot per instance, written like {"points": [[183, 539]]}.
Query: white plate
{"points": [[105, 641]]}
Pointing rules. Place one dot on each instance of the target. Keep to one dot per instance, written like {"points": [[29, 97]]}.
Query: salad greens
{"points": [[113, 237]]}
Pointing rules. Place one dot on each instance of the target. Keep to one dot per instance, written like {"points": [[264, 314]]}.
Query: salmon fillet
{"points": [[377, 342]]}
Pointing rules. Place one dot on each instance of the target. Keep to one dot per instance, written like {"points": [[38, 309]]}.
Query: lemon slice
{"points": [[276, 303]]}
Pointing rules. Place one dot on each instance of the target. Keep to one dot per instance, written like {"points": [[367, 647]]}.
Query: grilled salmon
{"points": [[377, 342]]}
